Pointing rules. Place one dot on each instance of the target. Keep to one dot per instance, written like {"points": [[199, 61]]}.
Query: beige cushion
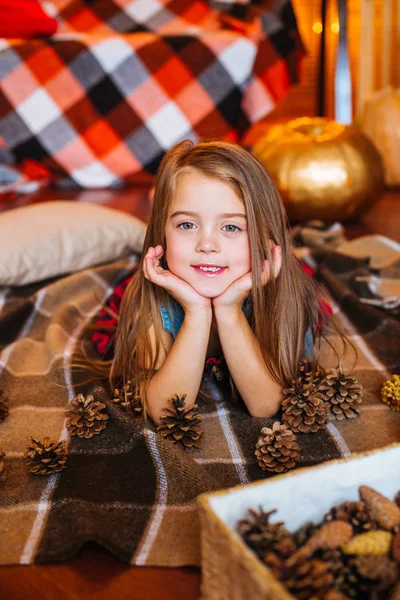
{"points": [[52, 238], [382, 250]]}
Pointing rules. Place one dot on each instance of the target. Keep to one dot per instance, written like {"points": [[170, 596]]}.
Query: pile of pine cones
{"points": [[305, 407], [353, 554], [87, 416], [314, 394]]}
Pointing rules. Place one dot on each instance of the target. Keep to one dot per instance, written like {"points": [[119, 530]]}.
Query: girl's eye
{"points": [[181, 225], [236, 228], [186, 225]]}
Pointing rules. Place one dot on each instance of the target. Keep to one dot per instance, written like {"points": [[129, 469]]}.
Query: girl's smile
{"points": [[209, 270], [207, 242]]}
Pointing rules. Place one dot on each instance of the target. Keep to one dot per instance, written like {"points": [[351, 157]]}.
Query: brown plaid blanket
{"points": [[129, 489]]}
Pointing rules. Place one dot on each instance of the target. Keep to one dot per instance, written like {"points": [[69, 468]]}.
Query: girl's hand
{"points": [[237, 292], [182, 291]]}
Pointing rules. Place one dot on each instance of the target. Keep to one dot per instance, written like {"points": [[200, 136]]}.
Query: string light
{"points": [[317, 27], [335, 27]]}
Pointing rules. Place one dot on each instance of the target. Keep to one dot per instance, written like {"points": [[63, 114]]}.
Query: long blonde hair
{"points": [[282, 310]]}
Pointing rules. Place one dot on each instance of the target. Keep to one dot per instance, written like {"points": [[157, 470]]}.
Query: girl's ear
{"points": [[277, 261], [270, 246]]}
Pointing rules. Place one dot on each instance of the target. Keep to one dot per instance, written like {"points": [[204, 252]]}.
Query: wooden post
{"points": [[366, 70], [387, 14], [321, 64], [397, 44]]}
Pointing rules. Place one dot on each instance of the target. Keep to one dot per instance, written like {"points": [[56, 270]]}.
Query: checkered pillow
{"points": [[128, 16], [101, 109], [160, 16]]}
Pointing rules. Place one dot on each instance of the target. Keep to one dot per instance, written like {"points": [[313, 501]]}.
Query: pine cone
{"points": [[303, 409], [3, 407], [330, 536], [126, 398], [390, 392], [276, 449], [395, 550], [310, 374], [274, 563], [85, 416], [341, 393], [372, 542], [181, 425], [366, 577], [379, 569], [304, 533], [333, 557], [308, 579], [382, 510], [354, 513], [2, 468], [47, 457], [397, 499], [351, 583], [335, 595], [264, 537], [395, 595]]}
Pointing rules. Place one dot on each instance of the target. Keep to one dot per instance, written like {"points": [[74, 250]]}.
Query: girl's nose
{"points": [[207, 243]]}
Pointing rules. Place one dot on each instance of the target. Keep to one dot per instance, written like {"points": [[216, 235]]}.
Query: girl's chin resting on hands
{"points": [[206, 283]]}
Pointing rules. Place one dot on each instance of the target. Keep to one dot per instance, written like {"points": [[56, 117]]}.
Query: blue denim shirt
{"points": [[173, 326]]}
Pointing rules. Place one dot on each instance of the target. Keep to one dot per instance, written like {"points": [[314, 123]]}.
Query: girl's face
{"points": [[207, 227]]}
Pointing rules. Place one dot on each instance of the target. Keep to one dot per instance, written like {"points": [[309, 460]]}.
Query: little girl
{"points": [[217, 277]]}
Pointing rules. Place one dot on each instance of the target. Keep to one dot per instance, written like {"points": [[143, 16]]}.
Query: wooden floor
{"points": [[97, 575], [94, 573]]}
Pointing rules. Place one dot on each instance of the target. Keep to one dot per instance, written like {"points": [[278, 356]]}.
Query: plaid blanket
{"points": [[128, 488], [99, 103]]}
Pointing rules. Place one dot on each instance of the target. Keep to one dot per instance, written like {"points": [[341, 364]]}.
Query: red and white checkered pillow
{"points": [[128, 16]]}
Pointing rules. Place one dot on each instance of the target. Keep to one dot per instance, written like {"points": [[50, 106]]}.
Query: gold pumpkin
{"points": [[323, 169]]}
